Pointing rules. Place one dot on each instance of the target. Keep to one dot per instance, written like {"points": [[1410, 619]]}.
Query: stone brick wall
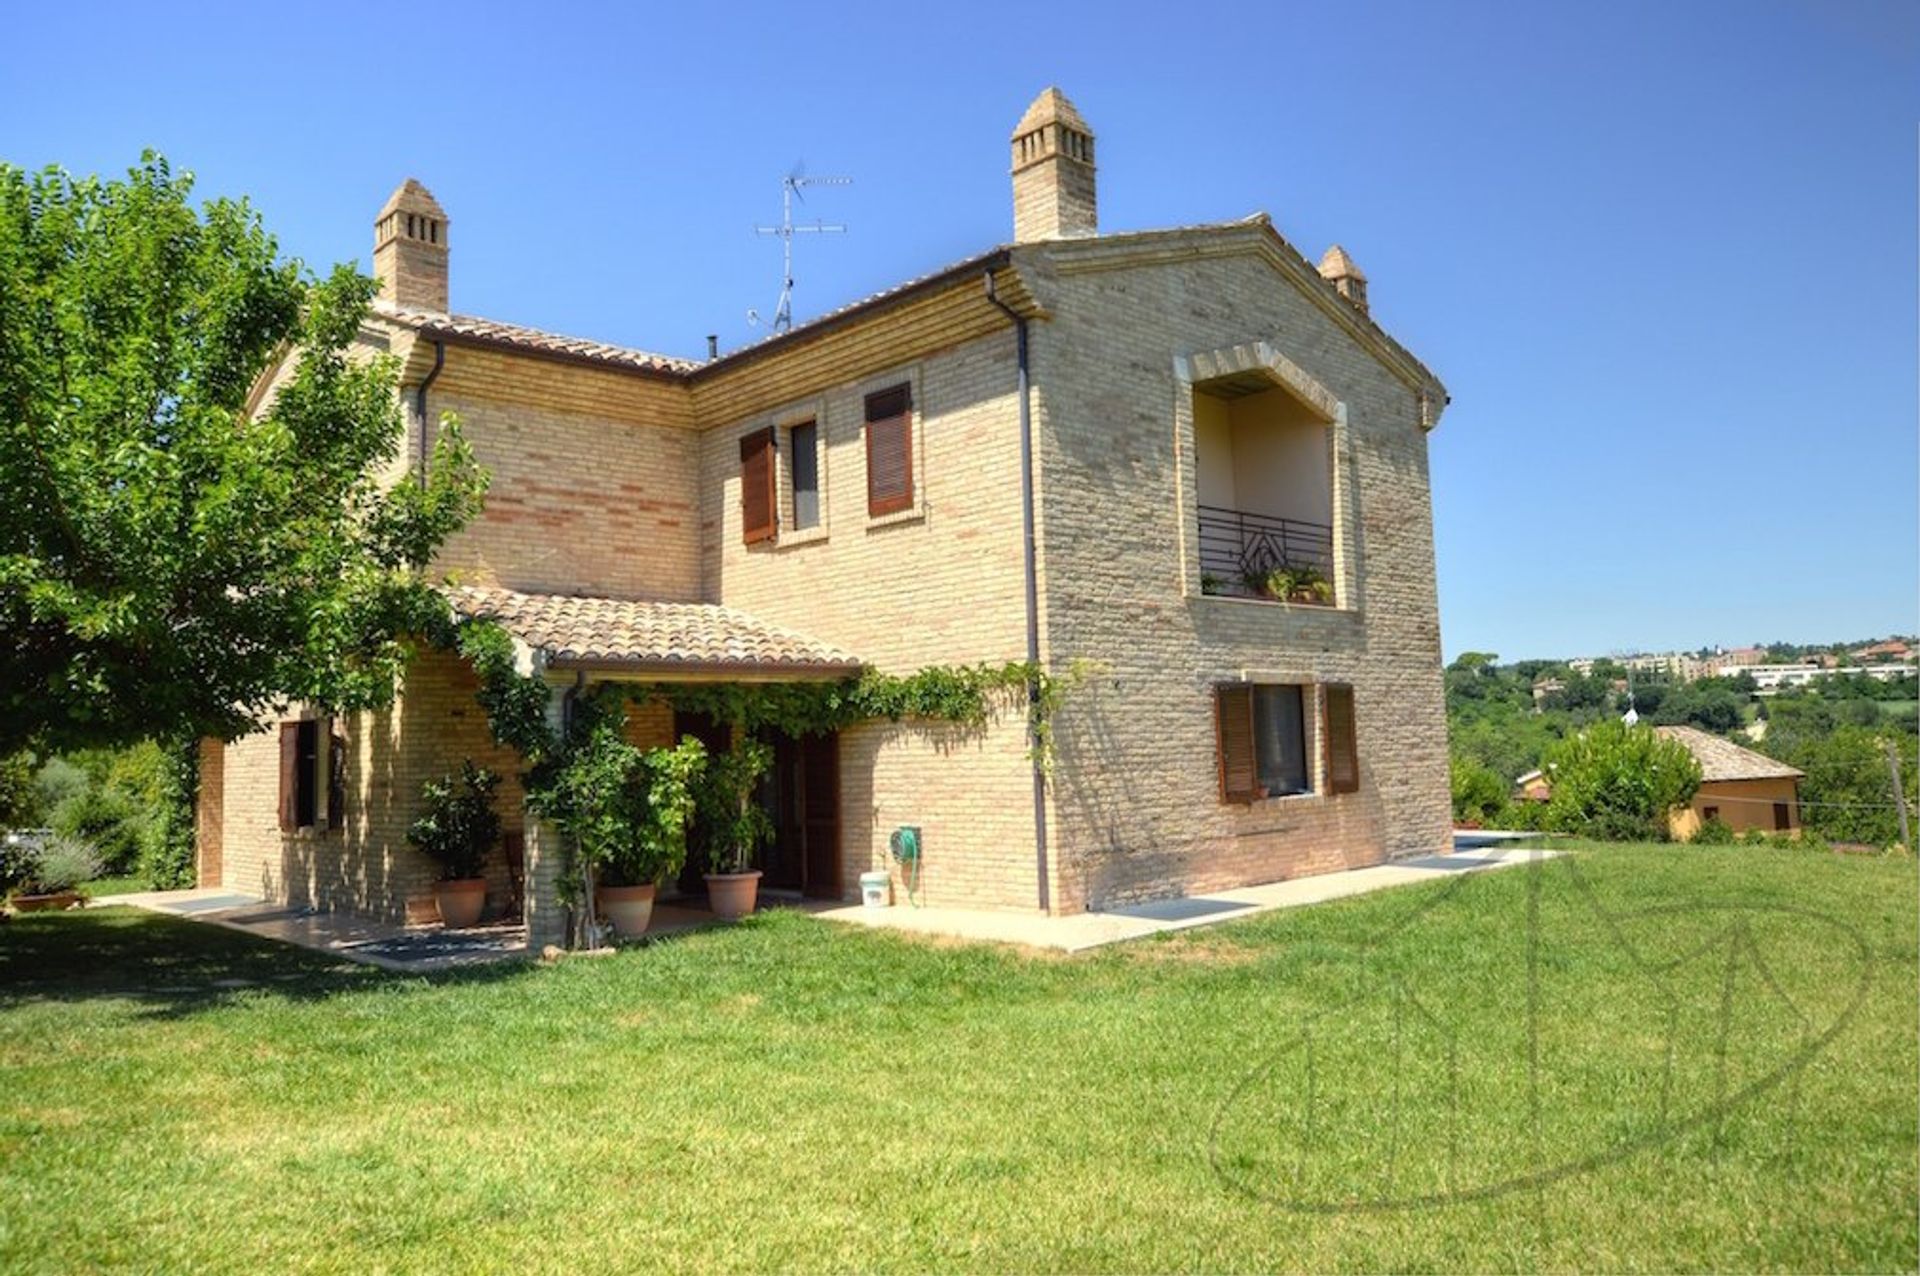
{"points": [[364, 864], [595, 476], [1136, 807], [936, 585]]}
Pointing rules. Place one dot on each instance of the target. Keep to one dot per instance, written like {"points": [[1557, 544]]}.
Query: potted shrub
{"points": [[646, 842], [737, 827], [459, 829], [1303, 583], [44, 873]]}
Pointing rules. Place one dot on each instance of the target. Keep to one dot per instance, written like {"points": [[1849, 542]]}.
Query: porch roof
{"points": [[643, 638]]}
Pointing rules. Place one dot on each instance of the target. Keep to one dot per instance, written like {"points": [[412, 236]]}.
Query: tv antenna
{"points": [[790, 190]]}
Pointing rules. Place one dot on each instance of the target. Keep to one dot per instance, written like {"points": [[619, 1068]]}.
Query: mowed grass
{"points": [[1627, 1058]]}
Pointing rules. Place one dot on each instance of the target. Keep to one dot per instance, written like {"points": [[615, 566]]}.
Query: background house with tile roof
{"points": [[1188, 460], [1744, 789]]}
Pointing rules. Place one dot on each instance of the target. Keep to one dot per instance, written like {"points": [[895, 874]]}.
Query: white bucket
{"points": [[876, 890]]}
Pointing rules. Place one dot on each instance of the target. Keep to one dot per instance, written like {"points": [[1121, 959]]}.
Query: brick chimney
{"points": [[1338, 269], [410, 249], [1053, 194]]}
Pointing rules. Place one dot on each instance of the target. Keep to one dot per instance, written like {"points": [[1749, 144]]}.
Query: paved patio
{"points": [[422, 949], [1081, 931]]}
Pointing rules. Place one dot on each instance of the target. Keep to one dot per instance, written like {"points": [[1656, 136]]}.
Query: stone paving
{"points": [[421, 949]]}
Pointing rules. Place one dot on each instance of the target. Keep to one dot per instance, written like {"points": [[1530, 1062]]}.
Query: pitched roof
{"points": [[1051, 107], [493, 332], [1724, 760], [657, 637]]}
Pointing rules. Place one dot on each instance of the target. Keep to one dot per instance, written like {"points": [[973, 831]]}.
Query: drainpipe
{"points": [[1033, 587], [420, 403]]}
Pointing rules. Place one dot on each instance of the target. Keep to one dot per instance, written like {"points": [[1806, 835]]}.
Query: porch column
{"points": [[546, 914]]}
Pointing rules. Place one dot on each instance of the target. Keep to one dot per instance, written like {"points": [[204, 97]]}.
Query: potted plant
{"points": [[459, 829], [737, 827], [43, 873], [1301, 583], [645, 843]]}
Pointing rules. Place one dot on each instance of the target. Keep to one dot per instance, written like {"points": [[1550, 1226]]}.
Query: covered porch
{"points": [[653, 650]]}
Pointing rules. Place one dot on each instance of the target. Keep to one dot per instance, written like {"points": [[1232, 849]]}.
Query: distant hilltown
{"points": [[1771, 666]]}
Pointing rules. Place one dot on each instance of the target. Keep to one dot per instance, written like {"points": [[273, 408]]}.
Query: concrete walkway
{"points": [[1078, 932], [421, 949]]}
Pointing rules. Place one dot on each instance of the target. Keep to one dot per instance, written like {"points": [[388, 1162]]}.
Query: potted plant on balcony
{"points": [[44, 873], [1298, 583], [644, 842], [737, 827], [458, 830]]}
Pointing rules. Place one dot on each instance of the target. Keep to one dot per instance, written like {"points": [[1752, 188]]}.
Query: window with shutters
{"points": [[301, 780], [889, 431], [758, 493], [1263, 734], [803, 446]]}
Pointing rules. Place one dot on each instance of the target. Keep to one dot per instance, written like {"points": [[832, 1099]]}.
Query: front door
{"points": [[802, 794]]}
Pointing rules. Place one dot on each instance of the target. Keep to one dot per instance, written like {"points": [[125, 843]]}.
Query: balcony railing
{"points": [[1240, 550]]}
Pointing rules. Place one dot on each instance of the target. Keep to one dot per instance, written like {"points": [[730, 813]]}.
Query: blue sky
{"points": [[1663, 255]]}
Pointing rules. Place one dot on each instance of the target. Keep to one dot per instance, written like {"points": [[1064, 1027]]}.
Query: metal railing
{"points": [[1238, 547]]}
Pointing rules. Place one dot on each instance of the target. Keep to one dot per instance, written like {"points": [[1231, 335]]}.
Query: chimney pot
{"points": [[1053, 172], [410, 249], [1338, 269]]}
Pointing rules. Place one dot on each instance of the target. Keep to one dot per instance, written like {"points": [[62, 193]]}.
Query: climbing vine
{"points": [[564, 765]]}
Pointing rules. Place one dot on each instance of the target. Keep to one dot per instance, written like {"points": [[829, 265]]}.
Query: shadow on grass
{"points": [[173, 967]]}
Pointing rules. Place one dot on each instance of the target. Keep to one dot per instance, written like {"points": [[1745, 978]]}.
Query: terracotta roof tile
{"points": [[513, 334], [657, 636], [1724, 760]]}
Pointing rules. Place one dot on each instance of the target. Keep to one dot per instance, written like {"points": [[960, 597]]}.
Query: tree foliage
{"points": [[170, 567], [1618, 782]]}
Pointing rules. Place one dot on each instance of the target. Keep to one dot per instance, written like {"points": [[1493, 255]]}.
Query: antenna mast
{"points": [[790, 188]]}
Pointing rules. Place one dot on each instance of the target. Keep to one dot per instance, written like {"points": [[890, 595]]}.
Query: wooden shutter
{"points": [[757, 494], [1343, 753], [289, 775], [336, 816], [1233, 741], [889, 451]]}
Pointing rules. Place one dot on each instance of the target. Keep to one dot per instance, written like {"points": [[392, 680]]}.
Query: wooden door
{"points": [[820, 813]]}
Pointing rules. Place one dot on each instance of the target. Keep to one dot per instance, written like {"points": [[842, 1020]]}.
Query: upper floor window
{"points": [[804, 442], [889, 433]]}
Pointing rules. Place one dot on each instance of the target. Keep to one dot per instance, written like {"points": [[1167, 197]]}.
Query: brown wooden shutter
{"points": [[1343, 753], [336, 816], [289, 775], [1233, 740], [757, 494], [889, 451]]}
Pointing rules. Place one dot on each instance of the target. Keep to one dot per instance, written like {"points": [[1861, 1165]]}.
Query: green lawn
{"points": [[1718, 1071]]}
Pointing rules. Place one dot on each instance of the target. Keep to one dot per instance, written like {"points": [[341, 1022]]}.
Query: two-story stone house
{"points": [[1080, 447]]}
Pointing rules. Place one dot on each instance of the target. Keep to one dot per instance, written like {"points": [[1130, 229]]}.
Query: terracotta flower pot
{"points": [[629, 908], [460, 901], [54, 902], [731, 896]]}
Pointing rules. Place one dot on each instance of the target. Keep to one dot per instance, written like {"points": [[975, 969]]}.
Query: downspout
{"points": [[420, 403], [1031, 557]]}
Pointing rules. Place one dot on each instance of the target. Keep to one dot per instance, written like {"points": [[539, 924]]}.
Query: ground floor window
{"points": [[312, 775], [1264, 735]]}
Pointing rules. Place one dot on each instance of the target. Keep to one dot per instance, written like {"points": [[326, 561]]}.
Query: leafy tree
{"points": [[1618, 782], [170, 566], [19, 798], [1708, 704], [1479, 792]]}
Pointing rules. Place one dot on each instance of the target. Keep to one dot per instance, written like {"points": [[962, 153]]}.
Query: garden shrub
{"points": [[106, 819], [1618, 783], [1713, 831]]}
